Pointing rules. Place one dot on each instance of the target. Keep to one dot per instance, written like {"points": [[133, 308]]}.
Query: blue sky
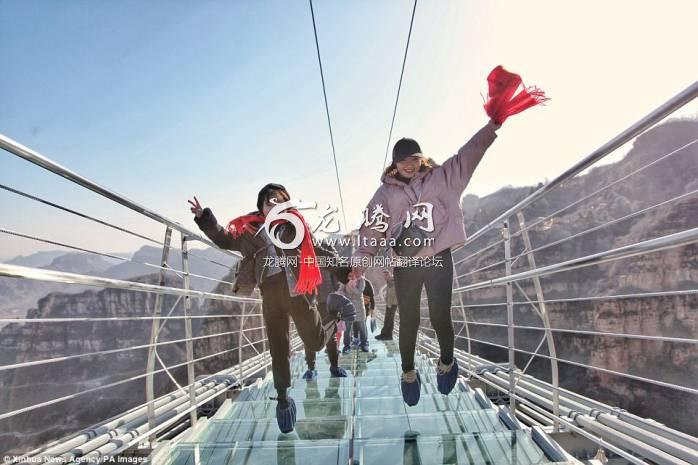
{"points": [[162, 100]]}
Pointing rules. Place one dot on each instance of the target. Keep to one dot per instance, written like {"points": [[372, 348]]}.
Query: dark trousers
{"points": [[356, 328], [331, 347], [361, 332], [438, 282], [389, 321], [277, 308]]}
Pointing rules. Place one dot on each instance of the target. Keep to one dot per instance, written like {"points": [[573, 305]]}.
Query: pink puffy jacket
{"points": [[440, 186]]}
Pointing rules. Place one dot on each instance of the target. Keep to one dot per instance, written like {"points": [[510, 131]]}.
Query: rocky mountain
{"points": [[205, 262], [675, 316], [26, 342], [251, 324], [37, 259], [18, 295], [83, 263], [673, 172]]}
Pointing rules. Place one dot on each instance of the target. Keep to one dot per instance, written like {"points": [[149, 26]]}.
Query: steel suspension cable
{"points": [[399, 86], [104, 223], [329, 120]]}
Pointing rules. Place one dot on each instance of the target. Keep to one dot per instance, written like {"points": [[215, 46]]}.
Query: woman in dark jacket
{"points": [[287, 291]]}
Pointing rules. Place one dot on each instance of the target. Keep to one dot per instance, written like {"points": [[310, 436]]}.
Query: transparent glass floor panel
{"points": [[266, 429], [427, 404], [509, 448], [301, 394], [376, 351], [308, 408], [323, 381], [370, 380], [392, 389], [367, 370], [426, 424], [318, 388], [388, 390], [267, 453], [440, 429], [382, 371]]}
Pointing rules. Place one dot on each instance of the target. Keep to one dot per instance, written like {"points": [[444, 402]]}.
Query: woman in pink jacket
{"points": [[417, 212]]}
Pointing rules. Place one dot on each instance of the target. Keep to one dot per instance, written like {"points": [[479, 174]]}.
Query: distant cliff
{"points": [[19, 295], [669, 316], [31, 385], [674, 269], [26, 342]]}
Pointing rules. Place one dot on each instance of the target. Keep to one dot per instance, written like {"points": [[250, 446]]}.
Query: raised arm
{"points": [[208, 224], [461, 166]]}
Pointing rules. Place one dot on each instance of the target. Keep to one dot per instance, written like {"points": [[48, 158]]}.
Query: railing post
{"points": [[510, 316], [154, 331], [264, 343], [462, 308], [242, 324], [546, 320], [191, 379]]}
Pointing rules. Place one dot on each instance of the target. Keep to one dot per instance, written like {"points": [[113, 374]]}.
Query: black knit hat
{"points": [[342, 273], [267, 192], [405, 148]]}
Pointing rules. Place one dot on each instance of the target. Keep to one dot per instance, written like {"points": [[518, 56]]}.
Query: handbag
{"points": [[374, 325], [414, 234]]}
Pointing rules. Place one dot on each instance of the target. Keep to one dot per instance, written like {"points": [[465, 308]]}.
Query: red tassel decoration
{"points": [[501, 102]]}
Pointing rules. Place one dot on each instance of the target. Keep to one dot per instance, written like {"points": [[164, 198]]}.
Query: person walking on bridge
{"points": [[417, 212], [288, 290], [390, 297]]}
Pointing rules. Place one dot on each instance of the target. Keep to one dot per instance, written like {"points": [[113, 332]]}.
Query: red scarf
{"points": [[245, 223], [309, 276], [502, 103]]}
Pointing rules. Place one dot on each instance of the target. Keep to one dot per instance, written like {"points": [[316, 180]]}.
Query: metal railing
{"points": [[684, 97], [499, 274], [187, 397], [527, 396], [36, 158], [157, 413]]}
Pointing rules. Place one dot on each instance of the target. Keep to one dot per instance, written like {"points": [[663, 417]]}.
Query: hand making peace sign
{"points": [[196, 207]]}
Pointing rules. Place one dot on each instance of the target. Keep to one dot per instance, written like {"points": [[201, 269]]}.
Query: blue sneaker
{"points": [[410, 385], [355, 343], [310, 375], [286, 415], [338, 372], [446, 376], [364, 348]]}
